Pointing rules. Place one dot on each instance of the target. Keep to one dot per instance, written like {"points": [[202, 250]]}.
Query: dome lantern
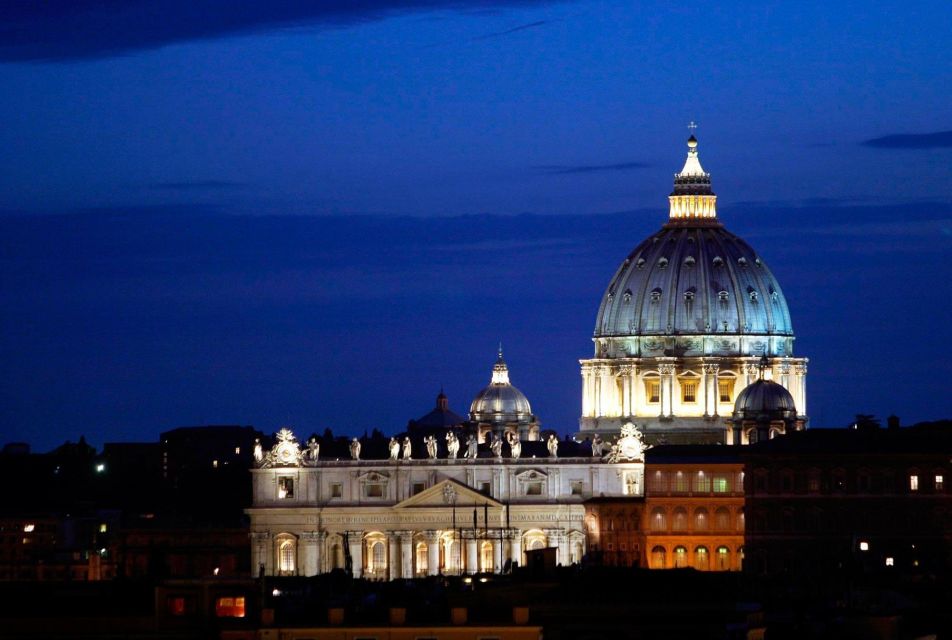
{"points": [[692, 198]]}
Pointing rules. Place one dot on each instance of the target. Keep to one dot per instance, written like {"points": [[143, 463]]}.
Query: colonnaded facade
{"points": [[409, 517]]}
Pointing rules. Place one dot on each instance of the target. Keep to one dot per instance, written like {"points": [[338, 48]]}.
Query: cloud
{"points": [[64, 30], [560, 169], [934, 140], [521, 27], [196, 185]]}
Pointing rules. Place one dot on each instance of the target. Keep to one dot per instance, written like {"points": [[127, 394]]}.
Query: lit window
{"points": [[214, 464], [230, 607], [890, 562], [680, 482], [939, 483], [286, 556], [721, 485], [100, 468], [237, 451], [653, 391], [913, 483], [103, 528], [285, 487], [725, 389], [863, 545], [337, 490], [28, 528], [689, 391], [703, 483]]}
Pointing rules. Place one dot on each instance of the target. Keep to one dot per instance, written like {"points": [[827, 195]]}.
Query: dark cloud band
{"points": [[935, 140]]}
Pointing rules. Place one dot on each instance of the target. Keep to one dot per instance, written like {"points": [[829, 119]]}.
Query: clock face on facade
{"points": [[286, 452]]}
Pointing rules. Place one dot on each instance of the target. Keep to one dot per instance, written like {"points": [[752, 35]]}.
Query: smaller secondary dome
{"points": [[764, 397], [500, 402]]}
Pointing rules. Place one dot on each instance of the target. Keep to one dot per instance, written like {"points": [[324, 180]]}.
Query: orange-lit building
{"points": [[693, 512], [613, 530]]}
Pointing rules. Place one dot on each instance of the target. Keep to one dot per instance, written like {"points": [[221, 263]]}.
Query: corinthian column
{"points": [[355, 543], [516, 546], [261, 556], [311, 552], [406, 554], [432, 552]]}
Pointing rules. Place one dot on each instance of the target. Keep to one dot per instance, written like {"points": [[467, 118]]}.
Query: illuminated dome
{"points": [[502, 409], [500, 402], [764, 396], [693, 277], [682, 326]]}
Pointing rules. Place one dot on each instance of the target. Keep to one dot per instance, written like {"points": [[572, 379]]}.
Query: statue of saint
{"points": [[553, 445], [472, 446], [259, 452], [355, 449], [394, 448], [406, 448], [452, 445], [515, 445], [496, 447], [596, 446], [431, 447], [313, 450]]}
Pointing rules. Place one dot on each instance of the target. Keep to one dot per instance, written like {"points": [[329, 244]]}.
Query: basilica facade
{"points": [[693, 346]]}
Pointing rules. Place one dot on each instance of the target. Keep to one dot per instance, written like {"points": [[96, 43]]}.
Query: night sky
{"points": [[317, 213]]}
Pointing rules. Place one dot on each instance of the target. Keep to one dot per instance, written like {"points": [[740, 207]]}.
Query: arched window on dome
{"points": [[662, 263], [742, 261], [656, 294], [718, 261], [689, 262], [627, 295], [640, 263], [723, 295], [689, 295], [753, 295]]}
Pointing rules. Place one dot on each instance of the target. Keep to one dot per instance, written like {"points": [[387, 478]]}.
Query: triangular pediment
{"points": [[442, 493], [532, 474]]}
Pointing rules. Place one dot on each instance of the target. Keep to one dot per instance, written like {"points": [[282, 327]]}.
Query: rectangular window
{"points": [[418, 487], [681, 482], [913, 483], [657, 482], [653, 391], [577, 487], [688, 391], [485, 488], [373, 490], [285, 487], [230, 607], [725, 389], [939, 483], [337, 490], [533, 488], [721, 484], [703, 483]]}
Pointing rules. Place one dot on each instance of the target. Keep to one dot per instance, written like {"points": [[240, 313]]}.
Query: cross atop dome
{"points": [[692, 199]]}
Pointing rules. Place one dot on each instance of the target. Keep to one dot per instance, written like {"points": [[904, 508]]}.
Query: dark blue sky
{"points": [[310, 212]]}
